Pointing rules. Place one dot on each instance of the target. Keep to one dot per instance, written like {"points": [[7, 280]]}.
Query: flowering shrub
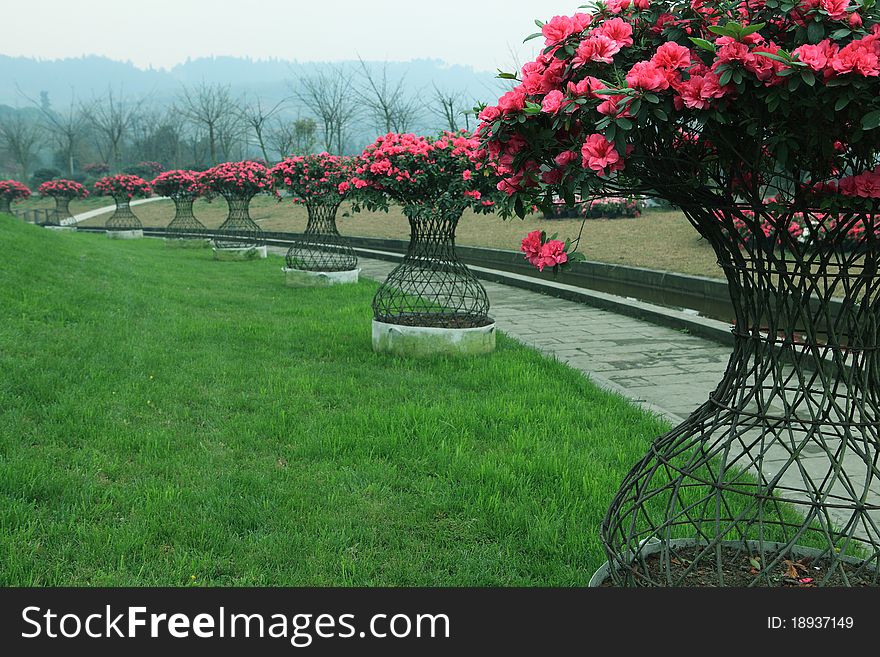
{"points": [[741, 100], [443, 172], [179, 183], [145, 169], [12, 190], [313, 179], [123, 186], [237, 179], [97, 169], [613, 207], [61, 188], [799, 230], [542, 251]]}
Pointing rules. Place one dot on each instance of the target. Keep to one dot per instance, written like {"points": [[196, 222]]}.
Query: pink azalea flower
{"points": [[647, 76], [553, 102], [598, 154]]}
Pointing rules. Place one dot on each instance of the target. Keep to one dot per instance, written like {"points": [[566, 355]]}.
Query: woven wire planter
{"points": [[321, 248], [431, 287], [60, 213], [238, 231], [184, 224], [123, 218], [782, 460]]}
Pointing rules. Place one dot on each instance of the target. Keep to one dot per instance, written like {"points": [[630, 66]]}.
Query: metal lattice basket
{"points": [[239, 231], [774, 480], [431, 286], [321, 248]]}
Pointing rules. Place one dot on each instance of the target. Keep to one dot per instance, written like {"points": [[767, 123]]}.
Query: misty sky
{"points": [[161, 33]]}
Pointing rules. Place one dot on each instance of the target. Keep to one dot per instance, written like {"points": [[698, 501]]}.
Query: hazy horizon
{"points": [[485, 36]]}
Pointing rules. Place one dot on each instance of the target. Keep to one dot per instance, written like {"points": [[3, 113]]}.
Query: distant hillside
{"points": [[86, 76]]}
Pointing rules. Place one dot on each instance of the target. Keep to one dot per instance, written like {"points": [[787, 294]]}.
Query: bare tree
{"points": [[22, 137], [293, 137], [387, 103], [111, 117], [328, 95], [451, 109], [211, 108], [158, 136], [67, 128], [257, 118]]}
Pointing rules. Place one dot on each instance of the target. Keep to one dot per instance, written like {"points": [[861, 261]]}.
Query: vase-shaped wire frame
{"points": [[431, 286], [238, 231], [184, 224], [784, 454], [321, 247], [123, 218], [60, 212], [5, 205]]}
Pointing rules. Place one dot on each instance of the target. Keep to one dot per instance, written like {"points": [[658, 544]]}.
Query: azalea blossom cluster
{"points": [[238, 179], [804, 230], [12, 190], [96, 168], [446, 171], [315, 179], [62, 188], [612, 207], [123, 186], [733, 96], [543, 252], [150, 166], [179, 183], [863, 185]]}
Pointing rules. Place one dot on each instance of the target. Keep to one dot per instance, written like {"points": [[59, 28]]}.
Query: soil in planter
{"points": [[439, 320], [740, 570]]}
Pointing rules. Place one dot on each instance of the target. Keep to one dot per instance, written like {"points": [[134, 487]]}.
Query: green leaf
{"points": [[703, 44], [808, 77], [731, 29], [506, 76], [532, 36], [725, 77], [815, 32], [842, 33], [871, 120], [660, 114], [842, 102], [751, 29], [624, 123], [778, 58]]}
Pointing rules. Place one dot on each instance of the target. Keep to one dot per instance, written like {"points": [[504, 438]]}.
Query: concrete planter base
{"points": [[125, 234], [186, 243], [652, 546], [303, 278], [420, 341], [241, 254], [62, 229]]}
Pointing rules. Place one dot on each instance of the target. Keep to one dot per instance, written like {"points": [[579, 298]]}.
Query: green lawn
{"points": [[169, 420]]}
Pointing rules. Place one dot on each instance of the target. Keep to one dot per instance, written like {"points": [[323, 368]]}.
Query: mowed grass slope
{"points": [[170, 420]]}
